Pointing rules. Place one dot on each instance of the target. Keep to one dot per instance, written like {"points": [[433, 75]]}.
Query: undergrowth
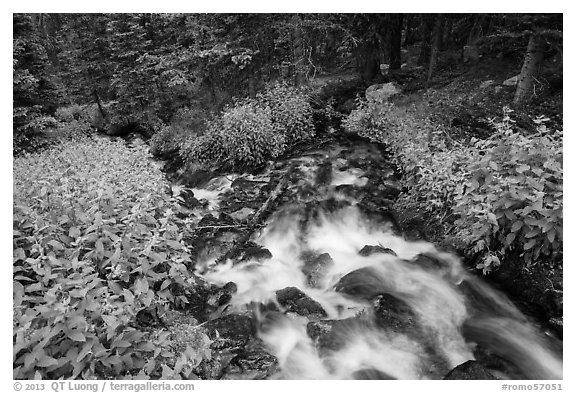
{"points": [[96, 241], [497, 199]]}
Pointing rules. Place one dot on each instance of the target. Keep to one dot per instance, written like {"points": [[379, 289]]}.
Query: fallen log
{"points": [[254, 222]]}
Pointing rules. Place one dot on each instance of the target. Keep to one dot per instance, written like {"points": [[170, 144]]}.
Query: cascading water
{"points": [[396, 310]]}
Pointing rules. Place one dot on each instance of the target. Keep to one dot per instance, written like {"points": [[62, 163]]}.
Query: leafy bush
{"points": [[185, 124], [243, 137], [512, 202], [29, 128], [96, 241], [291, 112], [253, 131], [498, 197]]}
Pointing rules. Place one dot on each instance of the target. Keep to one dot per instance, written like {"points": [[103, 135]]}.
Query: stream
{"points": [[336, 290]]}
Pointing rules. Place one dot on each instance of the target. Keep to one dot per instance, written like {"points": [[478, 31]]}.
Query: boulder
{"points": [[364, 283], [394, 314], [369, 250], [196, 178], [428, 262], [382, 92], [298, 302], [470, 370], [231, 331], [253, 363], [255, 252]]}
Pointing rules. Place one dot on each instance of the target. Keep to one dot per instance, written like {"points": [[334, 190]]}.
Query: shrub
{"points": [[184, 125], [96, 241], [512, 202], [498, 197], [252, 131], [243, 137], [291, 113], [29, 129]]}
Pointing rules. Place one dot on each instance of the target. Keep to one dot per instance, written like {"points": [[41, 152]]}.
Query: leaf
{"points": [[510, 238], [534, 232], [75, 335], [18, 293], [516, 226], [74, 232], [141, 286], [46, 361], [530, 244]]}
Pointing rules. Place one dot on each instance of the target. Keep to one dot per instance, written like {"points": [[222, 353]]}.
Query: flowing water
{"points": [[390, 314]]}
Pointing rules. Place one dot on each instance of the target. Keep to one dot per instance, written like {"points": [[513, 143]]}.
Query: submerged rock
{"points": [[315, 267], [470, 370], [371, 374], [298, 302], [394, 314]]}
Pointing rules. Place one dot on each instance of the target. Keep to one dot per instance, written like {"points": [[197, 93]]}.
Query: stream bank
{"points": [[310, 248]]}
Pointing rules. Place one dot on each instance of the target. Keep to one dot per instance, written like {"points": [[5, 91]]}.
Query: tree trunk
{"points": [[298, 52], [395, 41], [99, 103], [530, 70], [427, 26], [436, 44], [411, 29], [368, 62]]}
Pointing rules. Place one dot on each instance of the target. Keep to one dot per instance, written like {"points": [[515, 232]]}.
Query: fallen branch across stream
{"points": [[257, 217]]}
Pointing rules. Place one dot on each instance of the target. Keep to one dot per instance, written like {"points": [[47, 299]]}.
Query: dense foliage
{"points": [[253, 131], [498, 198], [96, 241]]}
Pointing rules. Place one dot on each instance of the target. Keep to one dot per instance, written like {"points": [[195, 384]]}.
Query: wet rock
{"points": [[332, 335], [253, 363], [557, 326], [380, 213], [315, 267], [243, 214], [208, 220], [222, 295], [213, 368], [231, 331], [298, 302], [394, 314], [427, 262], [369, 250], [371, 374], [364, 283], [187, 199], [389, 189], [470, 370], [196, 178], [255, 252], [324, 174]]}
